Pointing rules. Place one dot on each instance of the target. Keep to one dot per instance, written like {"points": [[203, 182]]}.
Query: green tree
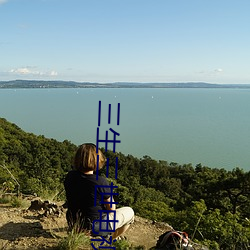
{"points": [[236, 188], [154, 210]]}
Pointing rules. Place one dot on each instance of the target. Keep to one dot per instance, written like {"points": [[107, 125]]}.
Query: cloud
{"points": [[31, 71], [22, 71], [218, 70], [211, 72], [53, 73]]}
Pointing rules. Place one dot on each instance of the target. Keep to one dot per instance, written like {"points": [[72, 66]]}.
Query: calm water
{"points": [[207, 126]]}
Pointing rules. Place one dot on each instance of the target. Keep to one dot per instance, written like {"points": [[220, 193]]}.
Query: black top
{"points": [[80, 193]]}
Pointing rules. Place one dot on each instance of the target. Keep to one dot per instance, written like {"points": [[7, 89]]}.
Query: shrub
{"points": [[74, 241], [152, 210], [18, 202]]}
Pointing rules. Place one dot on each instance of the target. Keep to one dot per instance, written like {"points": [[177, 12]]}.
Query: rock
{"points": [[36, 205], [47, 207]]}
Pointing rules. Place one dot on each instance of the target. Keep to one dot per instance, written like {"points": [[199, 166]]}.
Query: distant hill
{"points": [[71, 84]]}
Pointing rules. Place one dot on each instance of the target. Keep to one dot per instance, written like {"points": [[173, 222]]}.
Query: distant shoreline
{"points": [[21, 84]]}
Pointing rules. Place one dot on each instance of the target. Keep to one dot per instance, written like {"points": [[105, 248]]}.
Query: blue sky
{"points": [[125, 40]]}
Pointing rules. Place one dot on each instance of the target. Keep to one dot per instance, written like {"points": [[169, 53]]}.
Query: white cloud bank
{"points": [[31, 71], [53, 73], [211, 72], [218, 70]]}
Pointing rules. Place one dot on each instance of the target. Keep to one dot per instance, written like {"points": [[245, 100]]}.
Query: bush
{"points": [[18, 202], [5, 200], [125, 245], [74, 241], [153, 210]]}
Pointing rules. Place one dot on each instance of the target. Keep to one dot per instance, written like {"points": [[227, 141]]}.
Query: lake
{"points": [[207, 126]]}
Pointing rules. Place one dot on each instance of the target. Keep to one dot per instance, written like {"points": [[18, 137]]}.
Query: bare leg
{"points": [[124, 217], [120, 231]]}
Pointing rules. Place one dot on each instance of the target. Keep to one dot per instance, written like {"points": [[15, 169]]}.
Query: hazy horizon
{"points": [[125, 82]]}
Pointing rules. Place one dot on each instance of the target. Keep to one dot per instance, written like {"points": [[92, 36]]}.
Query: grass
{"points": [[125, 245], [52, 195], [5, 200], [74, 241], [19, 202], [81, 241], [14, 201]]}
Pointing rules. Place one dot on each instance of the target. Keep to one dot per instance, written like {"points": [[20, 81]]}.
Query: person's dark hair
{"points": [[86, 158]]}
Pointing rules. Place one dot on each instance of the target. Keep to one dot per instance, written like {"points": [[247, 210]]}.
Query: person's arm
{"points": [[108, 206]]}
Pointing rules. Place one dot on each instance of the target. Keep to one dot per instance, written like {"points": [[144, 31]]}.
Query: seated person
{"points": [[83, 197]]}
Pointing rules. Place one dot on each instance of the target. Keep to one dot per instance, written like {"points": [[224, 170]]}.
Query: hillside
{"points": [[31, 229], [211, 204], [24, 229]]}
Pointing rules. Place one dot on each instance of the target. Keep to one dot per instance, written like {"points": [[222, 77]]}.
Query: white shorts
{"points": [[124, 215]]}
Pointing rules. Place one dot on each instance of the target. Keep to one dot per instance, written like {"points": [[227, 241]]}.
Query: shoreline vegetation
{"points": [[19, 84]]}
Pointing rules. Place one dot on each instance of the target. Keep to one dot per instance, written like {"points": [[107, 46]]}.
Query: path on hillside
{"points": [[25, 229]]}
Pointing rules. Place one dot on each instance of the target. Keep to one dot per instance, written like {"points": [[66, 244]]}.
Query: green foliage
{"points": [[216, 230], [125, 245], [5, 199], [74, 241], [8, 186], [212, 205], [37, 162], [212, 244], [227, 230], [124, 198], [121, 245], [141, 193], [158, 211], [18, 202]]}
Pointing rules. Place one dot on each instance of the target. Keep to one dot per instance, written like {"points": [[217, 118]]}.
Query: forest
{"points": [[212, 205]]}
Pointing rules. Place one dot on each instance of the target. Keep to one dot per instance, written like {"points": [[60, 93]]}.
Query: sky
{"points": [[125, 40]]}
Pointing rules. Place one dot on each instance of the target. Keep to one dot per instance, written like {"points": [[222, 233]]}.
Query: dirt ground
{"points": [[25, 229]]}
